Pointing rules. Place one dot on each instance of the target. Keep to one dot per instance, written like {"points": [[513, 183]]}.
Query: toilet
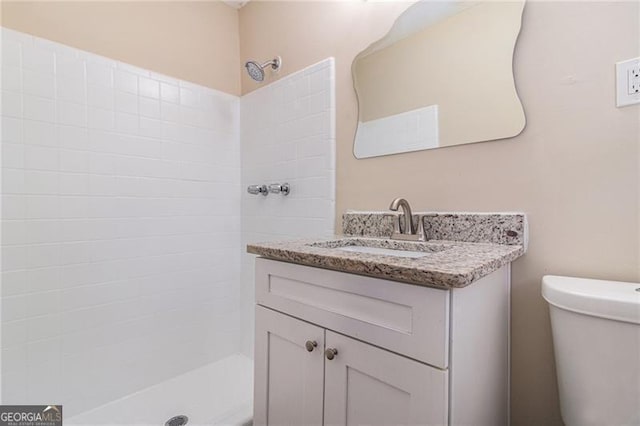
{"points": [[596, 339]]}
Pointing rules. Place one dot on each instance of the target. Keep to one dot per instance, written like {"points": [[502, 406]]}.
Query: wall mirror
{"points": [[442, 76]]}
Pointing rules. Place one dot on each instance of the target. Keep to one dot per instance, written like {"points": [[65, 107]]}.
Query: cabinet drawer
{"points": [[403, 318]]}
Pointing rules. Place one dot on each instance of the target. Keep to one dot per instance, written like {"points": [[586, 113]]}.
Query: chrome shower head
{"points": [[256, 70]]}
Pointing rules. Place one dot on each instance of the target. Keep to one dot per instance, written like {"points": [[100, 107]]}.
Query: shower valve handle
{"points": [[276, 188], [258, 189]]}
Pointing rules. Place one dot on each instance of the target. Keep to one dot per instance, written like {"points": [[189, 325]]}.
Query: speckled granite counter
{"points": [[461, 247], [447, 264]]}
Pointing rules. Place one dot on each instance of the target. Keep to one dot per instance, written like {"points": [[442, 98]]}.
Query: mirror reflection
{"points": [[442, 76]]}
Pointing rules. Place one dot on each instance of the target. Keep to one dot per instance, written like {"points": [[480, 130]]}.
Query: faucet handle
{"points": [[276, 188], [258, 189]]}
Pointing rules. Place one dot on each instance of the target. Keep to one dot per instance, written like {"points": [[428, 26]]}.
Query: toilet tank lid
{"points": [[606, 299]]}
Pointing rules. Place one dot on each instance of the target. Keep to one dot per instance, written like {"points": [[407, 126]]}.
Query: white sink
{"points": [[384, 251], [383, 247]]}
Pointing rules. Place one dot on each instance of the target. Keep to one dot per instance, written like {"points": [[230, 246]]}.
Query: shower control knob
{"points": [[311, 345], [276, 188], [331, 353], [258, 189]]}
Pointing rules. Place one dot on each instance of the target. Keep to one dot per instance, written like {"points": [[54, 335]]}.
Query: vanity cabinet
{"points": [[342, 349]]}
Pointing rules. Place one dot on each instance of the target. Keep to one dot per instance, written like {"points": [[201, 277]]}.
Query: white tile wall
{"points": [[120, 225], [288, 135]]}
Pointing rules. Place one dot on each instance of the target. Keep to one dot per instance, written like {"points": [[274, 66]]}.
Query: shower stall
{"points": [[126, 292]]}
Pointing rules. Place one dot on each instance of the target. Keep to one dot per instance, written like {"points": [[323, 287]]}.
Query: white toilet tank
{"points": [[596, 338]]}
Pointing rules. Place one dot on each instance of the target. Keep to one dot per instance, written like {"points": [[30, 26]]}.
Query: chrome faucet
{"points": [[410, 231]]}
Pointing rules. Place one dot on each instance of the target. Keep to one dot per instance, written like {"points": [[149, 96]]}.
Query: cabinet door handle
{"points": [[310, 345], [331, 353]]}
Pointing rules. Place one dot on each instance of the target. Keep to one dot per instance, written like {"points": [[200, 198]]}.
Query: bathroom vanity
{"points": [[349, 334]]}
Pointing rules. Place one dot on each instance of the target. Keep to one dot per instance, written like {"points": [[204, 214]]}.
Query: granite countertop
{"points": [[447, 264]]}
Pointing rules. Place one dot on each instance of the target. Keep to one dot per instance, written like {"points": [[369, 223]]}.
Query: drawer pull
{"points": [[331, 353], [310, 345]]}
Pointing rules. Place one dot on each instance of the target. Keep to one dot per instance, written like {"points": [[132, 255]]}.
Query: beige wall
{"points": [[195, 41], [574, 169], [463, 64]]}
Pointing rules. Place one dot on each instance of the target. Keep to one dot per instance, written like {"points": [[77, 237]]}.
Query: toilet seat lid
{"points": [[605, 299]]}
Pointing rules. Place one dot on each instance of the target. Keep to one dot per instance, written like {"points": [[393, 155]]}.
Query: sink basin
{"points": [[384, 247], [384, 251]]}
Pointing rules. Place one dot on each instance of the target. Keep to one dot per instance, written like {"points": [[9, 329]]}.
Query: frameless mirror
{"points": [[442, 76]]}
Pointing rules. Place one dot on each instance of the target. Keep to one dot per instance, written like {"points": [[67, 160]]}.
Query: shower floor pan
{"points": [[220, 393]]}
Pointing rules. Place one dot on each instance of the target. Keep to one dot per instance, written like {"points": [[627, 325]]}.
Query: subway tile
{"points": [[11, 78], [170, 112], [37, 59], [151, 128], [42, 327], [189, 97], [149, 88], [99, 74], [70, 67], [169, 93], [39, 133], [11, 104], [43, 279], [149, 107], [39, 182], [71, 137], [13, 181], [73, 184], [72, 114], [41, 109], [41, 206], [41, 158], [126, 82], [70, 89], [126, 102], [100, 119], [13, 155], [42, 255], [13, 258], [101, 163], [74, 206], [74, 161], [11, 53], [127, 123], [100, 96], [38, 84], [43, 231], [13, 232], [14, 206], [14, 333], [11, 130]]}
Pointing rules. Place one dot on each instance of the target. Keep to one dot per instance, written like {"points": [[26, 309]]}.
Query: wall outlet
{"points": [[628, 82]]}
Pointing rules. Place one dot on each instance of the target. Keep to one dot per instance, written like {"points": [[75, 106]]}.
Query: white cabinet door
{"points": [[366, 385], [288, 377]]}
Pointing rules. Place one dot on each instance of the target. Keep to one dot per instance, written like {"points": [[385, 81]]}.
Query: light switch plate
{"points": [[628, 82]]}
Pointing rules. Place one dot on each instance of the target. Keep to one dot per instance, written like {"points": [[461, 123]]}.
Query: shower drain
{"points": [[177, 421]]}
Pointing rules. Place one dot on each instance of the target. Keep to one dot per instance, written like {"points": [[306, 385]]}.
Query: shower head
{"points": [[256, 70]]}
